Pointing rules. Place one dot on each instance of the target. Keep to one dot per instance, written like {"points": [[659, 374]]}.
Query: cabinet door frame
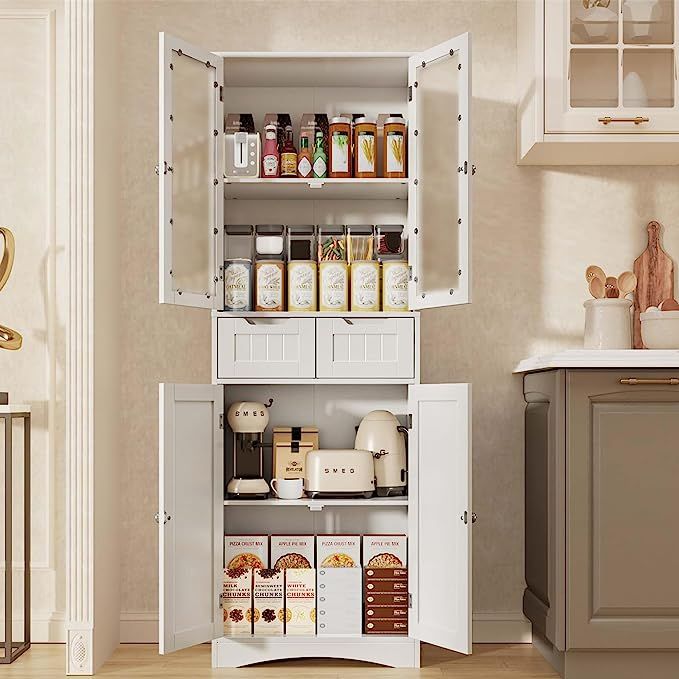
{"points": [[171, 49], [440, 515], [460, 121], [174, 492]]}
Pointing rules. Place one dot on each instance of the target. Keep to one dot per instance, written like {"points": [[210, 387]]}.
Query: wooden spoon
{"points": [[596, 288], [594, 271], [611, 287], [669, 305], [627, 282]]}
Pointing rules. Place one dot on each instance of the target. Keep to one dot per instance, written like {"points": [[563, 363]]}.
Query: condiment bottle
{"points": [[288, 155], [365, 147], [394, 147], [304, 158], [320, 159], [340, 147], [270, 155]]}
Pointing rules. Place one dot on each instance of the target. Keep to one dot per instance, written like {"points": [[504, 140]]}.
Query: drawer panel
{"points": [[367, 348], [265, 348]]}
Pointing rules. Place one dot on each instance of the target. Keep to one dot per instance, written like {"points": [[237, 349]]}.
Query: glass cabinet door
{"points": [[613, 69]]}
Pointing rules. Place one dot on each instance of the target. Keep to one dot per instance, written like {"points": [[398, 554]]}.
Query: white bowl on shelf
{"points": [[660, 329], [597, 23]]}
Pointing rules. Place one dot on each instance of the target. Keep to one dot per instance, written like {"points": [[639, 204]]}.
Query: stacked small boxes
{"points": [[339, 601], [386, 600]]}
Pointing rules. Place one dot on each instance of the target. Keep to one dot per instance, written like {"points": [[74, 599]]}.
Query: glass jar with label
{"points": [[394, 147], [269, 285], [395, 286], [334, 286], [365, 286], [339, 156], [365, 147], [237, 285], [302, 288]]}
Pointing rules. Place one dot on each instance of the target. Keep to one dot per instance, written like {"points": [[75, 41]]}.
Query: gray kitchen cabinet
{"points": [[602, 496]]}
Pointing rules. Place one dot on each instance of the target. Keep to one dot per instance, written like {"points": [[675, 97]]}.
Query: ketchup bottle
{"points": [[270, 155]]}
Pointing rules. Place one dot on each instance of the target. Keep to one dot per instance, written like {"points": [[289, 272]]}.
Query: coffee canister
{"points": [[395, 286], [302, 289], [365, 286], [334, 286], [237, 285], [270, 287]]}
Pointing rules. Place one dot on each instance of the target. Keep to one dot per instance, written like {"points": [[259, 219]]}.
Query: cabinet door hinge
{"points": [[410, 273], [221, 93], [410, 600], [410, 92], [221, 420], [410, 421]]}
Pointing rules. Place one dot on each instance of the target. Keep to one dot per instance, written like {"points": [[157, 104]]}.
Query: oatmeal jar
{"points": [[365, 286], [302, 288], [334, 286], [237, 288], [395, 286], [270, 285]]}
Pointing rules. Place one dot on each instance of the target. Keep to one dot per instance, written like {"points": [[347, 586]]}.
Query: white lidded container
{"points": [[660, 329], [608, 324]]}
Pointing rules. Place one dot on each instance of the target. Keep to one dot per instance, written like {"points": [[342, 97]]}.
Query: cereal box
{"points": [[246, 551], [237, 601], [338, 551], [300, 601], [268, 612], [385, 551], [292, 551]]}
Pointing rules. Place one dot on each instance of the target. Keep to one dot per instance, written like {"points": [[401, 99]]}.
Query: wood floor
{"points": [[140, 661]]}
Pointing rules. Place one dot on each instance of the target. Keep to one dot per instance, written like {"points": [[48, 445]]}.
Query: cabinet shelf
{"points": [[258, 188], [317, 314], [318, 504]]}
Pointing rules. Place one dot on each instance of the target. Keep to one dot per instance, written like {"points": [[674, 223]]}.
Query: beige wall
{"points": [[534, 232]]}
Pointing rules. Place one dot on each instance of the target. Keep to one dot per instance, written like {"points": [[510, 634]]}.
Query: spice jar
{"points": [[302, 289], [339, 159], [365, 286], [395, 286], [270, 285], [334, 286], [237, 287], [390, 242], [269, 241], [365, 147], [301, 242], [359, 242], [394, 147], [332, 243]]}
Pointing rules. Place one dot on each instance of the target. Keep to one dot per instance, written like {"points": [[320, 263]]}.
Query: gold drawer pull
{"points": [[637, 121], [673, 381]]}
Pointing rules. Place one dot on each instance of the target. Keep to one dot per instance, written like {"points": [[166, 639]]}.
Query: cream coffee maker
{"points": [[381, 434]]}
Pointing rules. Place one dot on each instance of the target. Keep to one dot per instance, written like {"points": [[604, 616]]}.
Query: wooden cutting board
{"points": [[655, 278]]}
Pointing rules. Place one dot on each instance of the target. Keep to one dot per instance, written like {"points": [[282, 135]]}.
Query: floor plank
{"points": [[141, 661]]}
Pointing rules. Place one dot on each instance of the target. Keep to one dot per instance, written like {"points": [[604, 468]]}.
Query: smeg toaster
{"points": [[339, 473]]}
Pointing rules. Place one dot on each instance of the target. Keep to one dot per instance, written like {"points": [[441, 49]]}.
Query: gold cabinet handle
{"points": [[632, 381], [605, 120]]}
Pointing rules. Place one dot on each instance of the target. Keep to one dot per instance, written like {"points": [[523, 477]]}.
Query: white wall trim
{"points": [[488, 628], [79, 622]]}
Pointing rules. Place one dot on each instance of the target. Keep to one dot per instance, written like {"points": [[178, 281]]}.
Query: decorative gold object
{"points": [[9, 339]]}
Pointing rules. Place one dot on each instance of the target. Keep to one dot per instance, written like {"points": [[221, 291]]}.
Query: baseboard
{"points": [[46, 628], [488, 628]]}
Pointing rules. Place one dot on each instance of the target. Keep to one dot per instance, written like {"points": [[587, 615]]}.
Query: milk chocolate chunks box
{"points": [[385, 551], [237, 601], [268, 612]]}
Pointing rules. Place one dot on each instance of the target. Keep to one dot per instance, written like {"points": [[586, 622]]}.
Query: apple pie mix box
{"points": [[385, 551], [246, 551], [300, 601], [338, 551], [292, 551], [268, 611], [237, 601]]}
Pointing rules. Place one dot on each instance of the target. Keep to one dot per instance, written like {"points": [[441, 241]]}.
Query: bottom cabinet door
{"points": [[440, 515], [190, 515]]}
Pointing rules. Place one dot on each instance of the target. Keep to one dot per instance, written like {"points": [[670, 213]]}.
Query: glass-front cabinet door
{"points": [[610, 66]]}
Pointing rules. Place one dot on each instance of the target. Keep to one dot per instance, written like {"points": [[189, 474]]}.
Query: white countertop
{"points": [[589, 358], [14, 408]]}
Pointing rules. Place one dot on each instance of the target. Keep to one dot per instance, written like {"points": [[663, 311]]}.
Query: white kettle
{"points": [[381, 434]]}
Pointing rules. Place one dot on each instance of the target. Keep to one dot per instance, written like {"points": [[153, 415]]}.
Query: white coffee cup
{"points": [[287, 489]]}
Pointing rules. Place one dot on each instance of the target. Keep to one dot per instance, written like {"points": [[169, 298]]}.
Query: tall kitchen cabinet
{"points": [[325, 369]]}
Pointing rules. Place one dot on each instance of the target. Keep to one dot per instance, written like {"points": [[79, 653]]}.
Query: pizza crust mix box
{"points": [[237, 601], [246, 551], [292, 551], [385, 551], [338, 551], [300, 601], [268, 611]]}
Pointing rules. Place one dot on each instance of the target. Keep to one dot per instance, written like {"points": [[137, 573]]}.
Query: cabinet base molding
{"points": [[392, 652], [609, 664]]}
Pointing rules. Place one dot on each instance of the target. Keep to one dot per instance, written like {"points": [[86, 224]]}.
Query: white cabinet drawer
{"points": [[368, 348], [265, 348]]}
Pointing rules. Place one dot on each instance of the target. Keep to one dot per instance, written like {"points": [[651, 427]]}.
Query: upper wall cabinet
{"points": [[598, 82]]}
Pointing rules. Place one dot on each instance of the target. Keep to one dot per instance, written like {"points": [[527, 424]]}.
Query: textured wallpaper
{"points": [[534, 232]]}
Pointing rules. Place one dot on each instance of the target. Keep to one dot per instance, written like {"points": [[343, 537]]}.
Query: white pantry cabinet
{"points": [[328, 370], [598, 82]]}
